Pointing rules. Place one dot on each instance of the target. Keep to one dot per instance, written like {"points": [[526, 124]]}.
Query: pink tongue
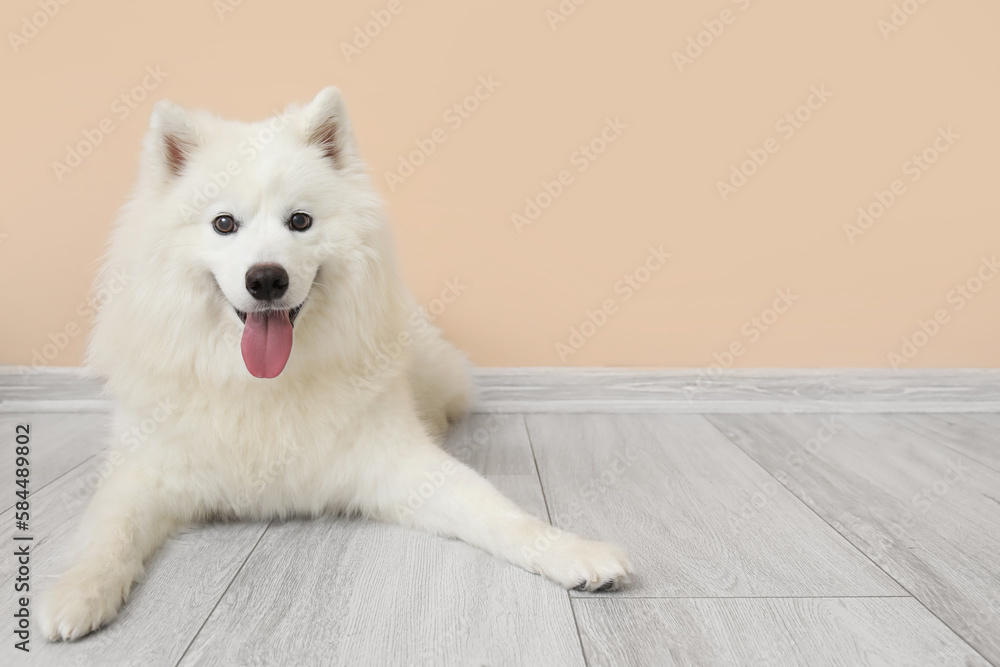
{"points": [[267, 342]]}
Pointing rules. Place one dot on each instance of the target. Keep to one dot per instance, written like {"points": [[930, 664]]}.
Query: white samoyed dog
{"points": [[261, 323]]}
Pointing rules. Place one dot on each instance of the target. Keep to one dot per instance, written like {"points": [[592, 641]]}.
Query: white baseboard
{"points": [[849, 390], [737, 390]]}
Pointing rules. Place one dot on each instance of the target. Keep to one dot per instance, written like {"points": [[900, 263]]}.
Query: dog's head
{"points": [[252, 228]]}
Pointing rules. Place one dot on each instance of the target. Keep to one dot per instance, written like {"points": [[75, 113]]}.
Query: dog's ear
{"points": [[172, 137], [326, 125]]}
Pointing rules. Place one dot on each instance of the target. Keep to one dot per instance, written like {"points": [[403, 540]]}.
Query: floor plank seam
{"points": [[849, 541], [911, 429], [548, 514], [538, 476], [679, 499], [53, 480], [228, 586], [743, 597], [579, 635]]}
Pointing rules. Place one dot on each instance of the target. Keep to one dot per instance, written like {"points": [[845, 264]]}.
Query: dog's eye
{"points": [[224, 224], [300, 222]]}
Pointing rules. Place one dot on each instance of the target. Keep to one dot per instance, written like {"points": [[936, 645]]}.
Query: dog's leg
{"points": [[128, 517], [428, 489]]}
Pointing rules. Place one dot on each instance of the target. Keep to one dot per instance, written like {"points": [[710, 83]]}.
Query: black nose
{"points": [[267, 282]]}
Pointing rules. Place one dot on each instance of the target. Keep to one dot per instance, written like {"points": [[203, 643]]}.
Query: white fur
{"points": [[351, 423]]}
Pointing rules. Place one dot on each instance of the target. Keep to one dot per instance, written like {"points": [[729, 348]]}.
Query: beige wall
{"points": [[656, 184]]}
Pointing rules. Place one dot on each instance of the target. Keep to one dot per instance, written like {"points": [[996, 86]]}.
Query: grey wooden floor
{"points": [[759, 538]]}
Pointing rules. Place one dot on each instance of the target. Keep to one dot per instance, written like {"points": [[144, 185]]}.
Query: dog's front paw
{"points": [[78, 604], [582, 565]]}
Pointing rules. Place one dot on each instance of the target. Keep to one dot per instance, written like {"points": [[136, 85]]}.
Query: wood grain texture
{"points": [[740, 391], [721, 548], [59, 442], [67, 383], [975, 435], [492, 444], [680, 498], [184, 581], [99, 405], [928, 516], [768, 632], [354, 592], [631, 390]]}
